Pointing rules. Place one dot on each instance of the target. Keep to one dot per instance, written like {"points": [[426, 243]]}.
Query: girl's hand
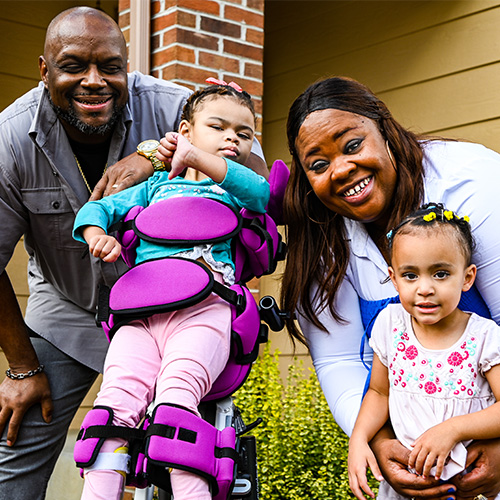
{"points": [[360, 457], [176, 150], [432, 448], [105, 247]]}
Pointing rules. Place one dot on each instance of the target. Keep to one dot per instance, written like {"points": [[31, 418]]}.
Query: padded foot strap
{"points": [[177, 438]]}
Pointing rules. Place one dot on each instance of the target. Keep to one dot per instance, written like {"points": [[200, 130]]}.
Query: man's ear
{"points": [[44, 70], [470, 277], [185, 129], [393, 278]]}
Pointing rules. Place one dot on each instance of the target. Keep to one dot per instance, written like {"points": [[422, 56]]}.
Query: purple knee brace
{"points": [[178, 438], [97, 426]]}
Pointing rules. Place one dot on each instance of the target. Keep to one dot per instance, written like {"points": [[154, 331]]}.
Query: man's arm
{"points": [[17, 396]]}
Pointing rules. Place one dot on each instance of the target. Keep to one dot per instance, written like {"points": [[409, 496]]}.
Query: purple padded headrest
{"points": [[278, 179]]}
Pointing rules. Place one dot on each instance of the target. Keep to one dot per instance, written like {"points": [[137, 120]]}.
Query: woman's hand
{"points": [[129, 171], [392, 458], [483, 477]]}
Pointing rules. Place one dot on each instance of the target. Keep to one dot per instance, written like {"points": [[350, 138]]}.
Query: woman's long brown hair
{"points": [[318, 252]]}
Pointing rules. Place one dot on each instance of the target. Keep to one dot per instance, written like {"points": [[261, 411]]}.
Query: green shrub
{"points": [[302, 452]]}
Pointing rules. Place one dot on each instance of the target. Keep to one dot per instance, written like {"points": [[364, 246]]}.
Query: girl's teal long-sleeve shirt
{"points": [[241, 188]]}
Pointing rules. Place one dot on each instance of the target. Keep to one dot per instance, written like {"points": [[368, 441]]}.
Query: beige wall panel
{"points": [[27, 41], [486, 133], [306, 32], [14, 87], [17, 271], [456, 46], [452, 101], [276, 146]]}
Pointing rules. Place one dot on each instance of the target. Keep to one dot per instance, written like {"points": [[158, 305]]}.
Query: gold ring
{"points": [[480, 497]]}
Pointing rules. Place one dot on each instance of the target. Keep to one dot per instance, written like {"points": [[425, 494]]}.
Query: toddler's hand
{"points": [[432, 448], [178, 151], [105, 247], [360, 458]]}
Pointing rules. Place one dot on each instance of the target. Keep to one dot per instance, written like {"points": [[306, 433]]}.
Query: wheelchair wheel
{"points": [[247, 481]]}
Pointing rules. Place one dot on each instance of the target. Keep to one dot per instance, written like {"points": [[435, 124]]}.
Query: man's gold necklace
{"points": [[83, 175]]}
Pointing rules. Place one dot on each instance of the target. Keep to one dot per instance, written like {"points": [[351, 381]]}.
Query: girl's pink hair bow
{"points": [[214, 81]]}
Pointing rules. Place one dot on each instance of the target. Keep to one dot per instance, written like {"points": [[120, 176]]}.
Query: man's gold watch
{"points": [[148, 149]]}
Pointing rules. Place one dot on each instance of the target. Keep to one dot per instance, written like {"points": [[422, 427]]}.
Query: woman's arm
{"points": [[336, 357]]}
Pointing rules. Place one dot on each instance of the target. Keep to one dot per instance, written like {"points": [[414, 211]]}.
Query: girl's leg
{"points": [[132, 364], [195, 351]]}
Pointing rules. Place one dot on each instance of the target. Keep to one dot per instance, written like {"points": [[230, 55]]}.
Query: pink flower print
{"points": [[404, 336], [439, 365], [403, 384], [456, 391], [463, 388], [430, 387], [470, 392], [459, 381], [463, 345], [401, 346], [422, 376], [466, 354], [455, 359], [411, 352], [420, 386]]}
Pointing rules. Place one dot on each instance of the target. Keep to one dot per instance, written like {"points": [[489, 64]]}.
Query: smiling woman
{"points": [[355, 173]]}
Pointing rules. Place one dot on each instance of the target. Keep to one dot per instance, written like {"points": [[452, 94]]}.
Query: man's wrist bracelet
{"points": [[20, 376]]}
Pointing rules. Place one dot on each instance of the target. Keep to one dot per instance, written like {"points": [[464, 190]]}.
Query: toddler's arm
{"points": [[100, 244], [180, 153], [372, 416], [435, 444]]}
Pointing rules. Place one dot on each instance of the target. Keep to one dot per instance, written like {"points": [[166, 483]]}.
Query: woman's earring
{"points": [[391, 156]]}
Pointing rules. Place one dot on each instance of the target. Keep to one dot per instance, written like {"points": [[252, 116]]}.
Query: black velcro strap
{"points": [[234, 298], [111, 431], [226, 453], [166, 431], [102, 315], [121, 226]]}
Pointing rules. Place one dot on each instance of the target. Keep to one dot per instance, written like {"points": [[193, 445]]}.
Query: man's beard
{"points": [[70, 117]]}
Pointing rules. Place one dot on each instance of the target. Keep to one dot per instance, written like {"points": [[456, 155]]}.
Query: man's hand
{"points": [[483, 458], [17, 396], [129, 171]]}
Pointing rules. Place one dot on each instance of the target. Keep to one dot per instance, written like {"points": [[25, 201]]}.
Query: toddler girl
{"points": [[436, 368], [175, 357]]}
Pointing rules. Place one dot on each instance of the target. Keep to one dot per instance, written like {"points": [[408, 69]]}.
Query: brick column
{"points": [[192, 40]]}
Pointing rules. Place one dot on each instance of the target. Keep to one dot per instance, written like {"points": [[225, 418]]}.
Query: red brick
{"points": [[123, 5], [239, 2], [185, 73], [124, 20], [174, 53], [244, 16], [220, 27], [156, 7], [155, 42], [256, 5], [220, 62], [196, 39], [126, 34], [253, 70], [252, 87], [255, 36], [177, 17], [163, 22], [207, 6], [240, 49]]}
